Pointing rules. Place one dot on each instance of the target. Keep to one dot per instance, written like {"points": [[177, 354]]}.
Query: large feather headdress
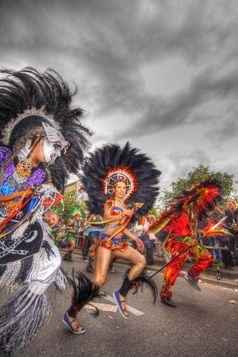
{"points": [[204, 195], [112, 163], [30, 100]]}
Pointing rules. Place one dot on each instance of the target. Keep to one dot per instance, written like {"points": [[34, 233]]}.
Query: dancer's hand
{"points": [[234, 226], [123, 220], [192, 242], [140, 245], [138, 205]]}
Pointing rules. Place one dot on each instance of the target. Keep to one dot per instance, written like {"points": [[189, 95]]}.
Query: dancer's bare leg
{"points": [[138, 264], [103, 260]]}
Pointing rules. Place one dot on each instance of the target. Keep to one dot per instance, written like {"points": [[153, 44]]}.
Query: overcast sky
{"points": [[161, 74]]}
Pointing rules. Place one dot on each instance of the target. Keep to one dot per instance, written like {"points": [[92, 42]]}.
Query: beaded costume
{"points": [[35, 113], [102, 171]]}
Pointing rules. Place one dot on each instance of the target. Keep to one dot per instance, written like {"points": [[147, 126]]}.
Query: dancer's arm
{"points": [[138, 241], [190, 241]]}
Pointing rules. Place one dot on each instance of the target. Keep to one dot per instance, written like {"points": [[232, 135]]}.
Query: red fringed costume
{"points": [[178, 241], [180, 221]]}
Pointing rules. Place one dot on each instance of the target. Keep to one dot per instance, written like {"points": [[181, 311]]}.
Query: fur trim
{"points": [[84, 291], [20, 319], [141, 280]]}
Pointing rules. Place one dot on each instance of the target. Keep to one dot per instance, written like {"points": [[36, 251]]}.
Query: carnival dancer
{"points": [[74, 223], [91, 238], [42, 141], [180, 221], [53, 220], [122, 185]]}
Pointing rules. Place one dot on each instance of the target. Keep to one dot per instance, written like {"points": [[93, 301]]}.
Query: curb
{"points": [[205, 278]]}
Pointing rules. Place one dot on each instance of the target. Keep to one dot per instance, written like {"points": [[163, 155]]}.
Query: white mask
{"points": [[55, 136], [51, 152], [25, 151]]}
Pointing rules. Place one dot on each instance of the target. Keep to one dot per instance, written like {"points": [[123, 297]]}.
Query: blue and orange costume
{"points": [[115, 241], [102, 171]]}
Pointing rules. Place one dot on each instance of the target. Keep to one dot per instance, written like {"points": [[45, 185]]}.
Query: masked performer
{"points": [[180, 221], [42, 141], [74, 223], [122, 185]]}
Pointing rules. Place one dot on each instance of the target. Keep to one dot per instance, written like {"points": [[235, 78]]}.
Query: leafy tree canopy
{"points": [[197, 174]]}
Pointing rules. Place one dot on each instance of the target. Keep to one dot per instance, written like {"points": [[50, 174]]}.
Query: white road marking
{"points": [[102, 307], [129, 308]]}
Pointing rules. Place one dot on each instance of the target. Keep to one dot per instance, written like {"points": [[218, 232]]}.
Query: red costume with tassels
{"points": [[179, 239], [180, 221]]}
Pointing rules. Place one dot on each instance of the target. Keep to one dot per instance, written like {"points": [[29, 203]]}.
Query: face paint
{"points": [[51, 152], [25, 151], [55, 136]]}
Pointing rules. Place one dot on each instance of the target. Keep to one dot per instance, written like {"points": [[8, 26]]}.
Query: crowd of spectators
{"points": [[224, 248]]}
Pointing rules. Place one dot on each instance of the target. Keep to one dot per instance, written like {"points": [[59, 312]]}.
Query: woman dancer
{"points": [[42, 141], [122, 185]]}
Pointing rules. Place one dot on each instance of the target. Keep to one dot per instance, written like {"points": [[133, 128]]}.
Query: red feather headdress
{"points": [[204, 195]]}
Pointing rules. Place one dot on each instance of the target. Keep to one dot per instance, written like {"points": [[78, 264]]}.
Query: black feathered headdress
{"points": [[30, 100], [110, 164]]}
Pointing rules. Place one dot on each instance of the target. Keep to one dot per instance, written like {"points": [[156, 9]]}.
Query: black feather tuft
{"points": [[111, 156], [83, 290], [29, 89], [144, 279]]}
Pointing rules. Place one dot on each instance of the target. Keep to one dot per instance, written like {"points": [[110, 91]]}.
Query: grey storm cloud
{"points": [[187, 160], [109, 40], [178, 110], [102, 46], [179, 163], [227, 128]]}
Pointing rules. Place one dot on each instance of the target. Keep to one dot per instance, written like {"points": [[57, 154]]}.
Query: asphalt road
{"points": [[203, 324]]}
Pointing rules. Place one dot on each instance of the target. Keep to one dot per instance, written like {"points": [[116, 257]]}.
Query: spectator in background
{"points": [[216, 215], [82, 195], [137, 230], [161, 238], [148, 239], [61, 241], [90, 239], [73, 225], [212, 241], [231, 223], [152, 240]]}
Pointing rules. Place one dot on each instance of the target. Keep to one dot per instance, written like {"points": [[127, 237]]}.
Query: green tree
{"points": [[197, 174]]}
